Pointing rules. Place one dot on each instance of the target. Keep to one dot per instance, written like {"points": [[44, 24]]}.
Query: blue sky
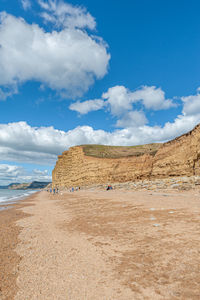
{"points": [[106, 72]]}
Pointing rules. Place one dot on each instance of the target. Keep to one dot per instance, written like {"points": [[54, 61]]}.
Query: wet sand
{"points": [[105, 245]]}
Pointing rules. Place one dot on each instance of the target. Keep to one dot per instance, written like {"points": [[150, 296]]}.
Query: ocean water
{"points": [[10, 196]]}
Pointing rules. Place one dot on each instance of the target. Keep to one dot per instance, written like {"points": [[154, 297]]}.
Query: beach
{"points": [[98, 245], [9, 259]]}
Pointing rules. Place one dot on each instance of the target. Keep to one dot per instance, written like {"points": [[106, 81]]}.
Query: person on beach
{"points": [[109, 187]]}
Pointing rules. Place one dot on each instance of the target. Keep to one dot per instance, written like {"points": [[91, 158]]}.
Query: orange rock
{"points": [[179, 157]]}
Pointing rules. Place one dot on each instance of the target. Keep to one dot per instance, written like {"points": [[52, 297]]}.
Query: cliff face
{"points": [[179, 157], [74, 168]]}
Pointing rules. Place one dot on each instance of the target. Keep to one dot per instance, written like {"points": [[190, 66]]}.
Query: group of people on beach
{"points": [[72, 189], [54, 191]]}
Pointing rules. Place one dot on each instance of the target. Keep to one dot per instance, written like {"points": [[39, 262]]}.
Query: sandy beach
{"points": [[9, 259], [101, 245]]}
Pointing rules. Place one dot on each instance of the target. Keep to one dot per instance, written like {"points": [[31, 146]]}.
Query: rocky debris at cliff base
{"points": [[175, 183]]}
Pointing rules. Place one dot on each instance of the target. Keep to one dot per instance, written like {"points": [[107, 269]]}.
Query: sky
{"points": [[93, 72]]}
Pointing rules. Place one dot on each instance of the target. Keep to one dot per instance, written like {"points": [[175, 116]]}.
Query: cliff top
{"points": [[103, 151]]}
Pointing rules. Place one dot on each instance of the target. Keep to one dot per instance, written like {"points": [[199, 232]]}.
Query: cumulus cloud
{"points": [[191, 104], [67, 60], [22, 143], [63, 14], [152, 98], [40, 172], [87, 106], [26, 4], [13, 173], [121, 99], [132, 119], [121, 102], [9, 170]]}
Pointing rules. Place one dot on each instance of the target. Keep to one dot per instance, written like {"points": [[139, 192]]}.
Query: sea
{"points": [[11, 196]]}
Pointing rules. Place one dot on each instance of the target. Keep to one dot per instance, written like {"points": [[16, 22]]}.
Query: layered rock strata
{"points": [[179, 157]]}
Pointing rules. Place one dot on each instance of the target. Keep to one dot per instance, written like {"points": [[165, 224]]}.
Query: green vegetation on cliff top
{"points": [[103, 151]]}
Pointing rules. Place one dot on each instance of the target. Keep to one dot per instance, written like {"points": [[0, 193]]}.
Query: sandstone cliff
{"points": [[79, 166], [179, 157]]}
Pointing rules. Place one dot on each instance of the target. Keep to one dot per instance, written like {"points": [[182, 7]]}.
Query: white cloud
{"points": [[119, 99], [132, 119], [63, 14], [152, 98], [26, 4], [87, 106], [13, 173], [9, 170], [170, 130], [40, 172], [122, 103], [68, 60], [191, 104], [22, 143]]}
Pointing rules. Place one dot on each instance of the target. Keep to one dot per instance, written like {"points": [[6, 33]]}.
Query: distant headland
{"points": [[26, 186]]}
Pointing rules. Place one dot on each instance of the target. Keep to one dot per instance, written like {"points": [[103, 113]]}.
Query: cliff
{"points": [[179, 157], [98, 164]]}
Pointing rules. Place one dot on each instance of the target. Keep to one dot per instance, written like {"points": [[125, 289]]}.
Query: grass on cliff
{"points": [[103, 151]]}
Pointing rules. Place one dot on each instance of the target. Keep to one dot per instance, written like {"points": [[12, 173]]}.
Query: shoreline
{"points": [[6, 204]]}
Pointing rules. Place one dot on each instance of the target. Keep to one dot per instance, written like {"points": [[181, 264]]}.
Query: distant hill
{"points": [[35, 185], [5, 187], [38, 185]]}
